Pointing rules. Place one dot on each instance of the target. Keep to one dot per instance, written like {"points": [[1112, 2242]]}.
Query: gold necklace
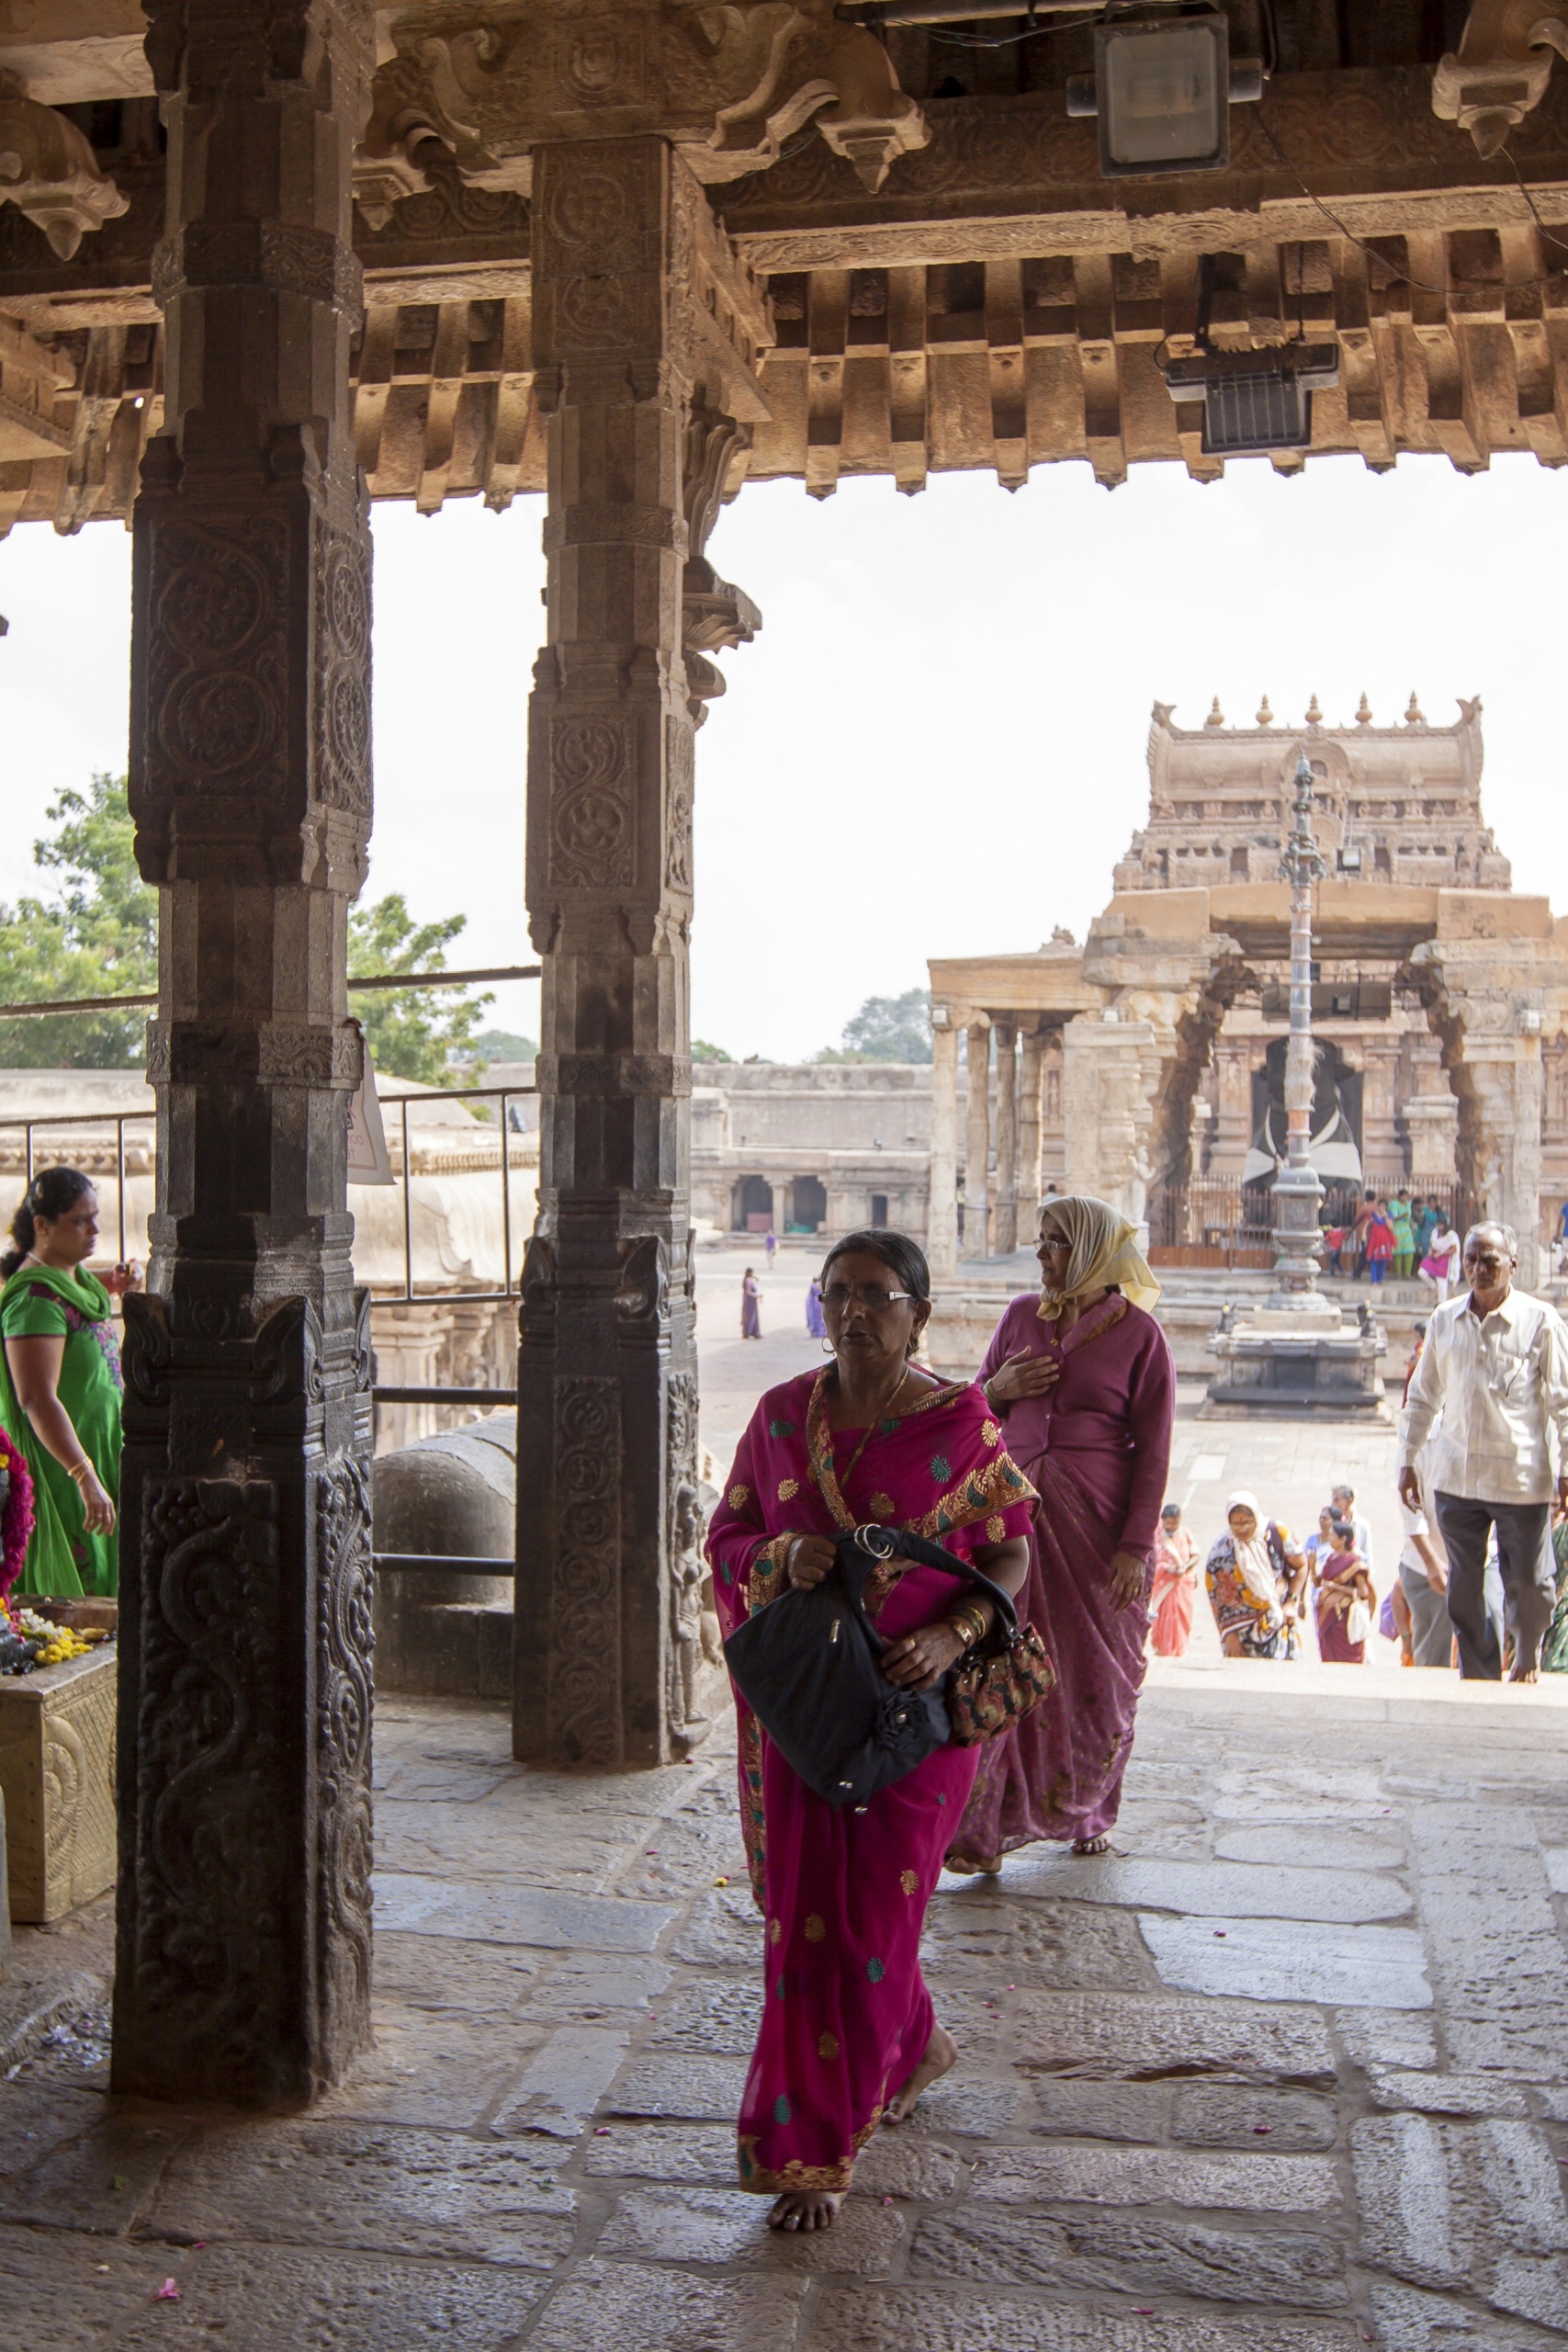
{"points": [[880, 1415]]}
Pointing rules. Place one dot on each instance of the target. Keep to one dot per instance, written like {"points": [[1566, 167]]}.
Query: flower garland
{"points": [[17, 1522]]}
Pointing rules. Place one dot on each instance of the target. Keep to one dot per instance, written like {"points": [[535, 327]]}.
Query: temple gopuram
{"points": [[1148, 1064], [261, 261]]}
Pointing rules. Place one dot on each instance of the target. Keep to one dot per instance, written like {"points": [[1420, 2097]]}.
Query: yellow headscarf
{"points": [[1104, 1250]]}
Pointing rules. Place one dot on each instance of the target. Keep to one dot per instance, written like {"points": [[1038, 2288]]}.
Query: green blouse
{"points": [[44, 1302]]}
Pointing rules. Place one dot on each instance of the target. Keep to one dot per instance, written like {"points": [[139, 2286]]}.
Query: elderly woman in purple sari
{"points": [[848, 2038], [1082, 1381]]}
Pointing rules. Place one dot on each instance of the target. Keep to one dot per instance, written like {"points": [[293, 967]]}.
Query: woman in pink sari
{"points": [[849, 2036], [1083, 1381]]}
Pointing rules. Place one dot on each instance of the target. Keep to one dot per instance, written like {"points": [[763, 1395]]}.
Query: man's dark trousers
{"points": [[1524, 1556]]}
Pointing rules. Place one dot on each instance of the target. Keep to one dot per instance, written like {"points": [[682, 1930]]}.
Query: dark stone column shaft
{"points": [[607, 1377], [243, 1965]]}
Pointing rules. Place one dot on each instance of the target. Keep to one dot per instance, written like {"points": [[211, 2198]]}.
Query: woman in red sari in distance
{"points": [[1082, 1379], [849, 2036]]}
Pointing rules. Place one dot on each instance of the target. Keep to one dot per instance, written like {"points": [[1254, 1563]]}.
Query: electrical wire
{"points": [[1400, 276], [1005, 40]]}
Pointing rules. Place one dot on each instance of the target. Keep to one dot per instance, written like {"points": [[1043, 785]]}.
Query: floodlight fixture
{"points": [[1255, 402], [1163, 86]]}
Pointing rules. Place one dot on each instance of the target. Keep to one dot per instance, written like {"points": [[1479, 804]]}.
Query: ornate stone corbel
{"points": [[716, 614], [1499, 73], [839, 73], [50, 173]]}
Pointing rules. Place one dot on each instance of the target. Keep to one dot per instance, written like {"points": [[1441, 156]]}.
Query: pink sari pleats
{"points": [[1059, 1774], [847, 2017]]}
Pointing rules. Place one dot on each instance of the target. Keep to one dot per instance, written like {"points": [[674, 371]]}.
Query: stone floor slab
{"points": [[719, 2015], [669, 2152], [1300, 1960], [282, 2299], [1448, 2094], [64, 2292], [378, 2189], [1212, 1890], [706, 2089], [864, 2319], [498, 1914], [730, 2227], [105, 2178], [1157, 2175], [1233, 2115], [564, 2080], [1129, 2036], [445, 1972], [1314, 1845], [634, 2307], [972, 1933], [1136, 2254], [448, 2075]]}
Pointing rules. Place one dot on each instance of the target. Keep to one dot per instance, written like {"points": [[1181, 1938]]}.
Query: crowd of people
{"points": [[1395, 1234], [1048, 1474]]}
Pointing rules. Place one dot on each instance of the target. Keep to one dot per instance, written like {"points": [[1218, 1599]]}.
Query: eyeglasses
{"points": [[837, 1297]]}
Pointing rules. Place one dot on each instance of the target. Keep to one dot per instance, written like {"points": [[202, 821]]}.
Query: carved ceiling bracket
{"points": [[838, 74], [1499, 73], [716, 614], [48, 171]]}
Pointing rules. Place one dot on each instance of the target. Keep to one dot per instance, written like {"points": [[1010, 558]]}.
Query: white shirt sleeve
{"points": [[1424, 1402], [1554, 1383]]}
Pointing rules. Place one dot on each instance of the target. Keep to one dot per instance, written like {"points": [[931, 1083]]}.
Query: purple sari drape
{"points": [[847, 2017], [1097, 1448]]}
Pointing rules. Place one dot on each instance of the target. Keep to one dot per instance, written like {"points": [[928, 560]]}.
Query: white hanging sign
{"points": [[367, 1160]]}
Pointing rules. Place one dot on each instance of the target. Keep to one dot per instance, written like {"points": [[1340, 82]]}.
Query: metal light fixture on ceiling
{"points": [[1163, 86], [1255, 401]]}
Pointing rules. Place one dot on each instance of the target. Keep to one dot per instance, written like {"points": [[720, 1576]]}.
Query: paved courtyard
{"points": [[1291, 2071], [1290, 2074]]}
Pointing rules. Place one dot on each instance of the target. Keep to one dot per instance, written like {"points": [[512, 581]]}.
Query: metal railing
{"points": [[49, 1121], [504, 1096], [440, 1564]]}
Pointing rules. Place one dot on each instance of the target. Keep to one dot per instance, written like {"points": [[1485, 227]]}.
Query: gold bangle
{"points": [[80, 1470]]}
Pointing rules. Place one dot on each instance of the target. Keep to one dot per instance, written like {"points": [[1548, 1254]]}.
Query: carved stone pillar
{"points": [[941, 1213], [243, 1965], [978, 1145], [634, 295], [1506, 1073], [1031, 1135], [1007, 1139]]}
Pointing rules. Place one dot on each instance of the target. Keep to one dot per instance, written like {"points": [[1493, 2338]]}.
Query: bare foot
{"points": [[966, 1866], [941, 2051], [1091, 1846], [805, 2209], [1525, 1674]]}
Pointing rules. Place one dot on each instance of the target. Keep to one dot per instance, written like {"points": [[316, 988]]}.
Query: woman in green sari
{"points": [[59, 1385], [1554, 1649]]}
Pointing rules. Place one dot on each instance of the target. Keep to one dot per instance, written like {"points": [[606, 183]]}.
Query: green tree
{"points": [[422, 1033], [703, 1052], [887, 1029], [99, 939]]}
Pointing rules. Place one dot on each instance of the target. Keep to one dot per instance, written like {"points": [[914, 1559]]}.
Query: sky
{"points": [[936, 745]]}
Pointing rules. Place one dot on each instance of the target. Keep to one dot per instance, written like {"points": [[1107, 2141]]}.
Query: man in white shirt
{"points": [[1423, 1580], [1495, 1367]]}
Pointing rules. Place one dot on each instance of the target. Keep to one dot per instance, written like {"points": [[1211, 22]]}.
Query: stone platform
{"points": [[1289, 2074]]}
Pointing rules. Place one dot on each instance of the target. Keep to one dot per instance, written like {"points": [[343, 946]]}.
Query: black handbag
{"points": [[808, 1665]]}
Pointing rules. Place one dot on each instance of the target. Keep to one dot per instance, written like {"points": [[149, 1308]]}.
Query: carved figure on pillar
{"points": [[646, 332], [243, 1968]]}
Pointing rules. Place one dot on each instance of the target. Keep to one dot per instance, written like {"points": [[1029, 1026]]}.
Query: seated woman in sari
{"points": [[1342, 1580], [1083, 1382], [849, 2036], [1256, 1575]]}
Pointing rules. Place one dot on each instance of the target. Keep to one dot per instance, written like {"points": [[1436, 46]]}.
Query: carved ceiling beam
{"points": [[725, 85], [1499, 73]]}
